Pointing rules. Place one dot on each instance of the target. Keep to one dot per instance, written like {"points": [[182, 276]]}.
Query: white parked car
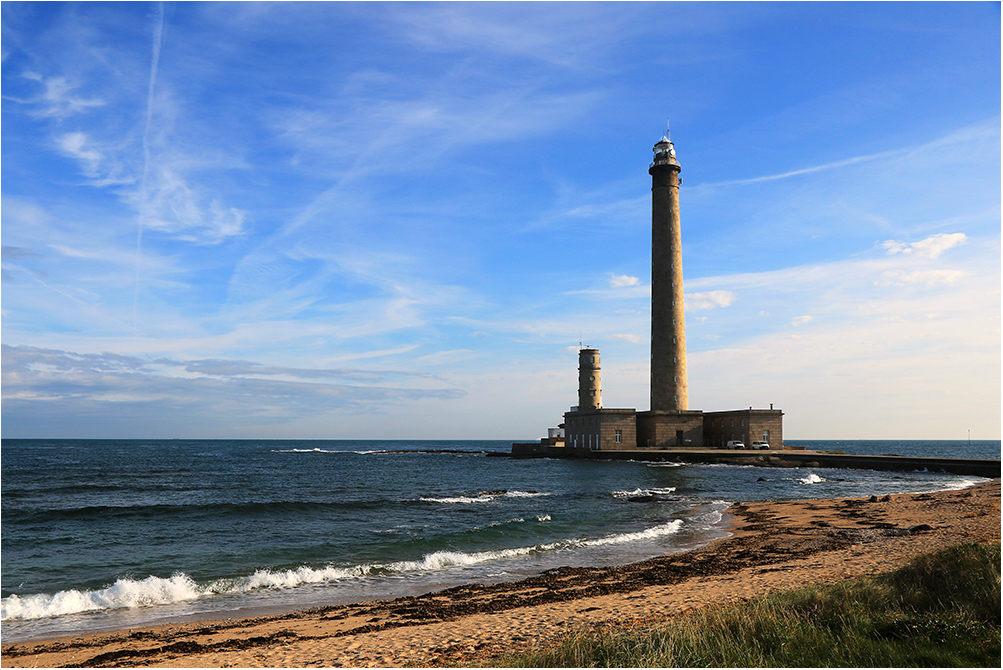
{"points": [[736, 444], [760, 445]]}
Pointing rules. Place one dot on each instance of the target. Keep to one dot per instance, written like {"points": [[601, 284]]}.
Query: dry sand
{"points": [[777, 545]]}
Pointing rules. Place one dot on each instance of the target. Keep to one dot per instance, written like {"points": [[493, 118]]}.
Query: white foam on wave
{"points": [[505, 523], [644, 492], [285, 579], [315, 450], [123, 593], [483, 497], [812, 478], [458, 500], [669, 528], [131, 593], [963, 484], [441, 560]]}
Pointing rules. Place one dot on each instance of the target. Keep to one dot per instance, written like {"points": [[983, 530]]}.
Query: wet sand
{"points": [[775, 546]]}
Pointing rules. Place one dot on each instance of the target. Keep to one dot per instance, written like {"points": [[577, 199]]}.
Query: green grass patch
{"points": [[941, 610]]}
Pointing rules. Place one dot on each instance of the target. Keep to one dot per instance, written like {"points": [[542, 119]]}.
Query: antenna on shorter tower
{"points": [[667, 136]]}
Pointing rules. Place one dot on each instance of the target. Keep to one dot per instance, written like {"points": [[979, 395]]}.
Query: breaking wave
{"points": [[644, 493], [669, 528], [132, 593], [484, 496]]}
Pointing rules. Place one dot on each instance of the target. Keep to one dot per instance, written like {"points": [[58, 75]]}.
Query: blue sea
{"points": [[115, 534]]}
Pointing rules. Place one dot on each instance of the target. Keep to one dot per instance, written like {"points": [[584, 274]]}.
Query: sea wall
{"points": [[980, 467]]}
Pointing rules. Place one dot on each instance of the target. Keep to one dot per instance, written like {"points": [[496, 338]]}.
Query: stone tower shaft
{"points": [[668, 326], [589, 389]]}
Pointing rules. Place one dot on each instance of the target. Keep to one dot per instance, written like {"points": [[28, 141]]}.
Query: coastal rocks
{"points": [[911, 530]]}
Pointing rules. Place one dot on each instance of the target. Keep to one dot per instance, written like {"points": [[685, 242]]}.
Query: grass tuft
{"points": [[940, 610]]}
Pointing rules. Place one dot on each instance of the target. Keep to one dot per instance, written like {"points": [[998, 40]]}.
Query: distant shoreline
{"points": [[774, 545]]}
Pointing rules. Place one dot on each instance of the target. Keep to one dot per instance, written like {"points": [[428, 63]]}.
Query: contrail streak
{"points": [[158, 36], [808, 170]]}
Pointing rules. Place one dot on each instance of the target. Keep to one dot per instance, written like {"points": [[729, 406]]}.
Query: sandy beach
{"points": [[774, 546]]}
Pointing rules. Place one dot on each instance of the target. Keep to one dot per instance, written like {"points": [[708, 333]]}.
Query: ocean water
{"points": [[113, 534]]}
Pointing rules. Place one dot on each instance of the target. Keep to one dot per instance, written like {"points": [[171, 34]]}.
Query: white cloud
{"points": [[931, 247], [102, 165], [801, 320], [619, 281], [39, 384], [928, 277], [58, 100], [72, 144], [626, 337], [708, 300]]}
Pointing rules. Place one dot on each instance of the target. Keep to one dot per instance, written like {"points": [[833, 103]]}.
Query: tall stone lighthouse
{"points": [[668, 325], [670, 422]]}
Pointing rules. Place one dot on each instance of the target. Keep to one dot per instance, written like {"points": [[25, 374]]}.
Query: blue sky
{"points": [[389, 220]]}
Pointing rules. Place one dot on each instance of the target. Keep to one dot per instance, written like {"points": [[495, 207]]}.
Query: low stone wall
{"points": [[979, 467]]}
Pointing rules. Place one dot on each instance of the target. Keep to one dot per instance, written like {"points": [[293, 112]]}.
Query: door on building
{"points": [[679, 438]]}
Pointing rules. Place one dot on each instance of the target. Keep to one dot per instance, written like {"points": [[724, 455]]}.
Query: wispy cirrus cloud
{"points": [[59, 99], [928, 277], [236, 368], [39, 382], [708, 300], [931, 247]]}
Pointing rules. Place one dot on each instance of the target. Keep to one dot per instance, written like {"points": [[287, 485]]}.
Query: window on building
{"points": [[619, 436], [743, 423]]}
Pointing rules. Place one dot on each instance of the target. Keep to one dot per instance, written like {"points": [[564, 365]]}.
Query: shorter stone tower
{"points": [[589, 389]]}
